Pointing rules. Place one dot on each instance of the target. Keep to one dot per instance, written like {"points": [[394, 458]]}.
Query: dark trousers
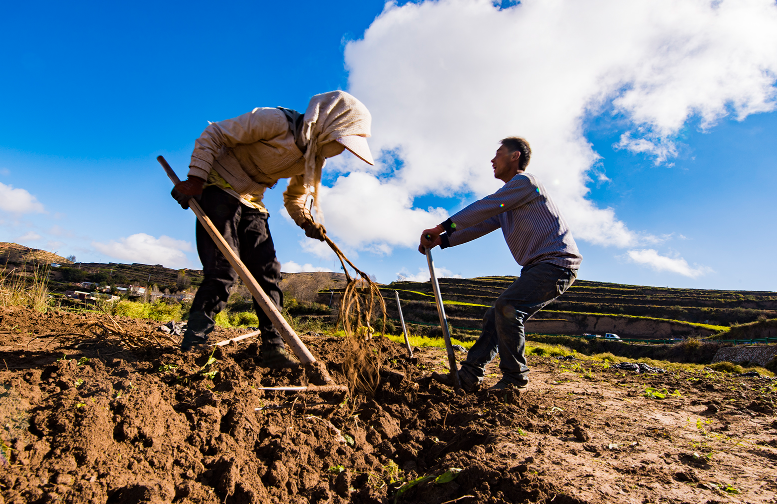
{"points": [[503, 324], [246, 231]]}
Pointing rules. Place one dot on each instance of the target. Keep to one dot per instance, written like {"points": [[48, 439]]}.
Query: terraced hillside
{"points": [[596, 307]]}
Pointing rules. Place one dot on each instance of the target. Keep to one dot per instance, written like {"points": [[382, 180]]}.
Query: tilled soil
{"points": [[86, 420]]}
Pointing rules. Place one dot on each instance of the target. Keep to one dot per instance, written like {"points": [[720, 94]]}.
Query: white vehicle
{"points": [[611, 336]]}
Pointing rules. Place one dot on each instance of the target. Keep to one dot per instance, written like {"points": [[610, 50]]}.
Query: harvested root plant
{"points": [[359, 306]]}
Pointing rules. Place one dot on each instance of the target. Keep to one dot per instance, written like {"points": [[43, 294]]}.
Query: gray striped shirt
{"points": [[531, 223]]}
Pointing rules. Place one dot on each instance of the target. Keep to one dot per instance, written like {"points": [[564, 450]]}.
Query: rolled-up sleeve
{"points": [[255, 126], [294, 200]]}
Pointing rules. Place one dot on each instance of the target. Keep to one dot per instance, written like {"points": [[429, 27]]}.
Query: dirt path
{"points": [[105, 424]]}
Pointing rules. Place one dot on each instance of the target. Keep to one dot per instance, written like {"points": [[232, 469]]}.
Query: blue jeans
{"points": [[503, 331]]}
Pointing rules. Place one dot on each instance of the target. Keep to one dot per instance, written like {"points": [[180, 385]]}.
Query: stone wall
{"points": [[756, 354], [625, 327]]}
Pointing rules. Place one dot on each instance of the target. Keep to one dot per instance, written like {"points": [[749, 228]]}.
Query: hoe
{"points": [[315, 370]]}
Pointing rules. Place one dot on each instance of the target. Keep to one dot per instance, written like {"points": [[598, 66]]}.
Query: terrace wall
{"points": [[625, 327]]}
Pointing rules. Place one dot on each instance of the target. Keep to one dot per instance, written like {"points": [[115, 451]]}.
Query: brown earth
{"points": [[90, 421]]}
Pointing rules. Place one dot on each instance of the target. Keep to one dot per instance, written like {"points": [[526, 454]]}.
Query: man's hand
{"points": [[186, 190], [314, 230], [430, 238]]}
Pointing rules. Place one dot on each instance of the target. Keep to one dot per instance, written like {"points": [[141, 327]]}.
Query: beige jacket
{"points": [[252, 152]]}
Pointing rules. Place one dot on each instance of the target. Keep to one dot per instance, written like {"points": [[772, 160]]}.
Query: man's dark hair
{"points": [[518, 144]]}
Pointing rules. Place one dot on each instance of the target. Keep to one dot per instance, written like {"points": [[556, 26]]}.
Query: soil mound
{"points": [[93, 422]]}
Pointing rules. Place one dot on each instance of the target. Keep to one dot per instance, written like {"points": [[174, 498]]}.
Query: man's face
{"points": [[505, 163]]}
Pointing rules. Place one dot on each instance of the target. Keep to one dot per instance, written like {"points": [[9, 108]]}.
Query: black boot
{"points": [[197, 330]]}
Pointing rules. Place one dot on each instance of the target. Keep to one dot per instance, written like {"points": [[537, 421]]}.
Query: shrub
{"points": [[726, 367], [164, 312], [132, 309], [158, 310], [607, 356], [244, 319], [222, 319]]}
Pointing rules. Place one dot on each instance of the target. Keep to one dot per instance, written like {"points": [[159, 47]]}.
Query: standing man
{"points": [[233, 163], [539, 240]]}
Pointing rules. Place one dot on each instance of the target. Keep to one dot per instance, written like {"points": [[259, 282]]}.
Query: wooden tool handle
{"points": [[287, 333]]}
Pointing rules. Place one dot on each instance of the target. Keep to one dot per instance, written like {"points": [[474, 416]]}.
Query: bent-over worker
{"points": [[539, 240], [233, 163]]}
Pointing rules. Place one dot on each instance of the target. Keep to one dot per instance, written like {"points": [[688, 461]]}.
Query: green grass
{"points": [[159, 310], [425, 341]]}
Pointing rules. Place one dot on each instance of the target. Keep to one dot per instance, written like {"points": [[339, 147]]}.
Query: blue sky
{"points": [[653, 128]]}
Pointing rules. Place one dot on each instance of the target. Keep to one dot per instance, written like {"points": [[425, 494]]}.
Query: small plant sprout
{"points": [[729, 489], [652, 393], [211, 360], [83, 360], [348, 439], [520, 431], [447, 476], [80, 405], [410, 484], [337, 469], [393, 470], [167, 368], [78, 382]]}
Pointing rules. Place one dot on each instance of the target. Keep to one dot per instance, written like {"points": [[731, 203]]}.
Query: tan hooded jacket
{"points": [[253, 151]]}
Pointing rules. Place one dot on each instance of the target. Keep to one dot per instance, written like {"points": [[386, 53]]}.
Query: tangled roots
{"points": [[360, 301]]}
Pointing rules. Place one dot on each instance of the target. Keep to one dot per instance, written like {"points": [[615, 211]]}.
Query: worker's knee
{"points": [[504, 309]]}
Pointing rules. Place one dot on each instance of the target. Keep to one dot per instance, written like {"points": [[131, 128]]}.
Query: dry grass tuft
{"points": [[20, 288], [131, 339]]}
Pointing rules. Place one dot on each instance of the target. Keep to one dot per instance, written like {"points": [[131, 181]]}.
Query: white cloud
{"points": [[59, 231], [423, 274], [143, 248], [445, 80], [656, 261], [28, 237], [292, 267], [317, 248], [18, 200], [362, 209]]}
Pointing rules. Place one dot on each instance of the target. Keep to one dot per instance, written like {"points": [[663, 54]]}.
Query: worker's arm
{"points": [[294, 198], [517, 192], [442, 234]]}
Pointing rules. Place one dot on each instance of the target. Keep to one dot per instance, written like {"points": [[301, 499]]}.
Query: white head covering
{"points": [[329, 117]]}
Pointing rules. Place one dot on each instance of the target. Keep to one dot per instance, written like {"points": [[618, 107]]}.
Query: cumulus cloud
{"points": [[445, 80], [143, 248], [28, 237], [18, 200], [656, 261], [423, 274], [293, 267], [363, 209]]}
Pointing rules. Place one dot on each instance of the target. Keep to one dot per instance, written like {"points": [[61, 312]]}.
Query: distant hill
{"points": [[588, 306], [13, 253]]}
